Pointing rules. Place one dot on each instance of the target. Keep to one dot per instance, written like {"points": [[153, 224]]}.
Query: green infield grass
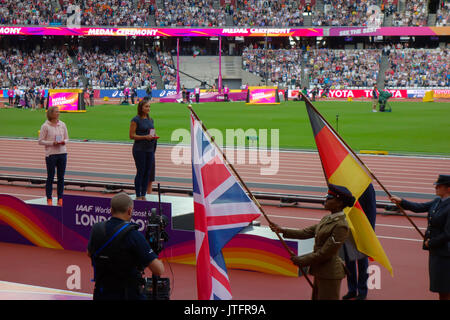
{"points": [[411, 127]]}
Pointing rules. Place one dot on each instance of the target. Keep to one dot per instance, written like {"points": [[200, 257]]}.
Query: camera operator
{"points": [[120, 253]]}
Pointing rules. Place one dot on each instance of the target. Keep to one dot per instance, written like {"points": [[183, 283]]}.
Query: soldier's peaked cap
{"points": [[342, 193]]}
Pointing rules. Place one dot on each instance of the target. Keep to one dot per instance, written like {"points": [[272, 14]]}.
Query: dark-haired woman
{"points": [[142, 132]]}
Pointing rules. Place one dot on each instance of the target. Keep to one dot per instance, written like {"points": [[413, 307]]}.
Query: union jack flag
{"points": [[221, 210]]}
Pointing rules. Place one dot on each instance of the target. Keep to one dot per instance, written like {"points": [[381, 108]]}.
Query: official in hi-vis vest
{"points": [[120, 253], [329, 235]]}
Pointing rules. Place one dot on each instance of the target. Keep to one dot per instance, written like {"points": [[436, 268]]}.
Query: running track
{"points": [[299, 173]]}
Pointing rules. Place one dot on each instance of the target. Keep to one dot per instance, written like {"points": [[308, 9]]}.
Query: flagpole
{"points": [[219, 80], [367, 169], [248, 190], [178, 65]]}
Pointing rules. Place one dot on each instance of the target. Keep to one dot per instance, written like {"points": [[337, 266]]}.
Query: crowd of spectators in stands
{"points": [[115, 13], [268, 13], [348, 13], [418, 68], [166, 69], [116, 69], [415, 15], [323, 67], [203, 13], [189, 13], [343, 68], [283, 65], [443, 15], [52, 68], [31, 12]]}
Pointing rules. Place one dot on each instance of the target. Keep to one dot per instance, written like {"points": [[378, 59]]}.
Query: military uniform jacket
{"points": [[438, 228], [329, 235]]}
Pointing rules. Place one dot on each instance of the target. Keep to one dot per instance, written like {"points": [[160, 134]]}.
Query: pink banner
{"points": [[65, 101], [388, 31], [226, 32], [262, 96], [164, 32]]}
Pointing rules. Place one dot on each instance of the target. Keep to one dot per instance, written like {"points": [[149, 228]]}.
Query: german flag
{"points": [[342, 167]]}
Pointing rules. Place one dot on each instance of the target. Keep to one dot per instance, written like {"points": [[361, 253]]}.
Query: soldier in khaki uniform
{"points": [[330, 233]]}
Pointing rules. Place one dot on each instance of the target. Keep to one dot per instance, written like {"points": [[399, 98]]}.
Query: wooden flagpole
{"points": [[362, 163], [248, 191]]}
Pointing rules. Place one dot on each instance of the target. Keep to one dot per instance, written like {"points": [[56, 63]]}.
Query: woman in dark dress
{"points": [[142, 132], [437, 236]]}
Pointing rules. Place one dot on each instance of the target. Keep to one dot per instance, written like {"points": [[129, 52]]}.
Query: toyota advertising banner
{"points": [[352, 93]]}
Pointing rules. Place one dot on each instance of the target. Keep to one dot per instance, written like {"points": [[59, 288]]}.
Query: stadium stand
{"points": [[167, 69], [268, 13], [217, 13], [414, 14], [284, 66], [116, 68], [190, 13], [335, 65], [52, 68], [351, 68], [418, 68], [443, 15], [322, 67], [348, 13]]}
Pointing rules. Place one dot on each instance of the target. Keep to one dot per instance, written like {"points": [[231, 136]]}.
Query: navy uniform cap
{"points": [[443, 179], [342, 193]]}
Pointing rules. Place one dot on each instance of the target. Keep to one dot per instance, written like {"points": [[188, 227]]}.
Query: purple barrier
{"points": [[162, 32], [68, 227], [388, 31], [208, 97]]}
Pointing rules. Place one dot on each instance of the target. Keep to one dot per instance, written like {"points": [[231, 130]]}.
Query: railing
{"points": [[282, 199]]}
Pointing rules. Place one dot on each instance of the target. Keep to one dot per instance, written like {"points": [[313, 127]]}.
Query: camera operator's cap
{"points": [[341, 193], [443, 179]]}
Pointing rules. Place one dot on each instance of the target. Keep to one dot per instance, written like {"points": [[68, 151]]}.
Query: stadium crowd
{"points": [[32, 12], [116, 69], [324, 67], [343, 68], [115, 13], [443, 15], [348, 13], [166, 69], [415, 15], [268, 13], [189, 13], [204, 13], [51, 68], [284, 66], [418, 68]]}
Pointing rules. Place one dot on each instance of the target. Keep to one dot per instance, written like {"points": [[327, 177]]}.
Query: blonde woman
{"points": [[54, 137]]}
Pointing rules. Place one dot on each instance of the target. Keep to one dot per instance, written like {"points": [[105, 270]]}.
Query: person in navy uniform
{"points": [[120, 253], [356, 262], [437, 235], [329, 235]]}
